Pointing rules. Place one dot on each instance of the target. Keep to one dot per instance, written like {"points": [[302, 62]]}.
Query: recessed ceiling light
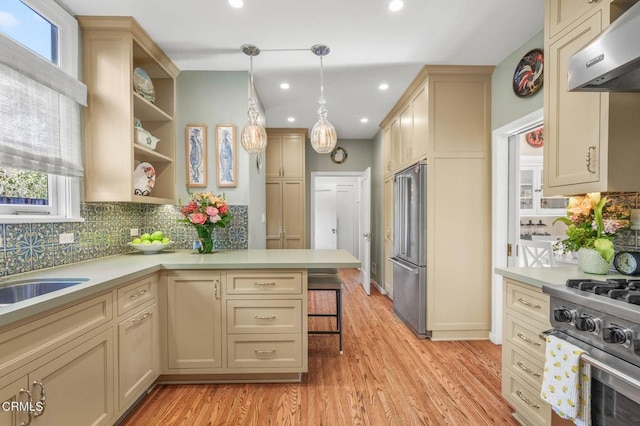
{"points": [[291, 119], [236, 3], [284, 86], [395, 5], [364, 120], [383, 86]]}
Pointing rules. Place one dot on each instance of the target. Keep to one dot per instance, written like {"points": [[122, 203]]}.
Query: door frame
{"points": [[500, 207], [312, 215]]}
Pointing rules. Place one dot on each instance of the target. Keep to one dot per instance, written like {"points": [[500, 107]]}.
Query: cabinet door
{"points": [[406, 135], [386, 145], [573, 130], [419, 107], [293, 156], [388, 235], [561, 13], [528, 188], [274, 213], [194, 327], [395, 144], [293, 214], [14, 402], [273, 156], [138, 354], [79, 384]]}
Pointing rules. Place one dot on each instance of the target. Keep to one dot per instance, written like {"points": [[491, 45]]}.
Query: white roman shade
{"points": [[39, 113]]}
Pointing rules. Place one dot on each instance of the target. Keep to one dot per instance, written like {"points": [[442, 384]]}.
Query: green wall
{"points": [[505, 105], [220, 97], [377, 210]]}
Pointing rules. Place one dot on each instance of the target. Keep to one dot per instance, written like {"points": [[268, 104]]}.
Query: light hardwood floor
{"points": [[385, 377]]}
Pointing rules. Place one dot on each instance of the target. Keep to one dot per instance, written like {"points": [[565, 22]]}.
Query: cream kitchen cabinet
{"points": [[285, 153], [193, 321], [71, 385], [266, 316], [562, 13], [112, 47], [388, 236], [589, 136], [285, 213], [525, 317]]}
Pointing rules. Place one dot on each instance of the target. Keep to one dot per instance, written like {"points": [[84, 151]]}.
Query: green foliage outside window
{"points": [[23, 184]]}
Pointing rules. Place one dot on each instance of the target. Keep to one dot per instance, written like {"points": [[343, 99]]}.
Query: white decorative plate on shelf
{"points": [[143, 85], [144, 178]]}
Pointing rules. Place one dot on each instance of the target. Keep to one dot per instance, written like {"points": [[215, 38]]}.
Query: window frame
{"points": [[64, 192]]}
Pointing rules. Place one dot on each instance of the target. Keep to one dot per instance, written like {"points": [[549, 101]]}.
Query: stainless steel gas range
{"points": [[603, 318]]}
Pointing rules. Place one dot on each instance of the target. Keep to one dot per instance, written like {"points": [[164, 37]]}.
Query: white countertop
{"points": [[108, 272], [550, 276]]}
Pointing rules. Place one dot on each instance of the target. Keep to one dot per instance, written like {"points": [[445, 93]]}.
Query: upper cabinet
{"points": [[285, 153], [590, 137], [112, 48]]}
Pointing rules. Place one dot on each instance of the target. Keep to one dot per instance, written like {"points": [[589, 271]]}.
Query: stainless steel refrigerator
{"points": [[410, 247]]}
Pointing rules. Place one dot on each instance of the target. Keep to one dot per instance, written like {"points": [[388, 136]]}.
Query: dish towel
{"points": [[566, 382]]}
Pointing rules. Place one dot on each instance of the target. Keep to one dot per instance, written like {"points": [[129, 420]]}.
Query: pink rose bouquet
{"points": [[205, 211]]}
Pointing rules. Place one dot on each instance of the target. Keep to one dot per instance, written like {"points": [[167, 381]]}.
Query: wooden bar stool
{"points": [[328, 282]]}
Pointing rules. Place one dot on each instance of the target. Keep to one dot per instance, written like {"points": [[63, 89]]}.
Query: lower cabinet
{"points": [[526, 316], [73, 385], [194, 321], [138, 354]]}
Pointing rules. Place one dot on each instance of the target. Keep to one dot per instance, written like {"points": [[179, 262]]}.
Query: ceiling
{"points": [[369, 45]]}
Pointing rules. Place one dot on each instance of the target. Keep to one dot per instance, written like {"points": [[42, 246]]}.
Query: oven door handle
{"points": [[601, 366], [613, 372]]}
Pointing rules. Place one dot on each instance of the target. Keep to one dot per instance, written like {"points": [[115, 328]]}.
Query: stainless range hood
{"points": [[611, 61]]}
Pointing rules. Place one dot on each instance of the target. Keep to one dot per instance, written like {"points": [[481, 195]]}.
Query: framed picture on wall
{"points": [[196, 143], [226, 155]]}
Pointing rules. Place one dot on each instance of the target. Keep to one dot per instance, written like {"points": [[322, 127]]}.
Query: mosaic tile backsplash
{"points": [[106, 231]]}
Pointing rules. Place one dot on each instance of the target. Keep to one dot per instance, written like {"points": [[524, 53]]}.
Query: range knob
{"points": [[563, 314], [588, 323], [616, 334]]}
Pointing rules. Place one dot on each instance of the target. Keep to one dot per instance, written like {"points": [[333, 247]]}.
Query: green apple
{"points": [[146, 241], [136, 241], [156, 242], [157, 235], [165, 240], [145, 237]]}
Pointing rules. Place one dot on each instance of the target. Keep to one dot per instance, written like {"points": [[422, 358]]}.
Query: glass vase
{"points": [[591, 262], [204, 236]]}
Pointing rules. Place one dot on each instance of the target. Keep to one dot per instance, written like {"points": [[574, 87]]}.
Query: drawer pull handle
{"points": [[143, 317], [270, 317], [263, 283], [529, 341], [260, 353], [527, 370], [43, 398], [526, 400], [138, 294], [529, 304]]}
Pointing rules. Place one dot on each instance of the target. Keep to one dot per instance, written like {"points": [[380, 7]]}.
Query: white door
{"points": [[326, 222], [365, 229], [347, 219]]}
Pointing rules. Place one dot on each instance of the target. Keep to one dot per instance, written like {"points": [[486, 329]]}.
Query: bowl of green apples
{"points": [[151, 243]]}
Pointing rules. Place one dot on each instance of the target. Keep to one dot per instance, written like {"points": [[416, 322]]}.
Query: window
{"points": [[46, 179]]}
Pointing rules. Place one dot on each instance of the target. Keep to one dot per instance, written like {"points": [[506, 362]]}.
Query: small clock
{"points": [[627, 262], [339, 155]]}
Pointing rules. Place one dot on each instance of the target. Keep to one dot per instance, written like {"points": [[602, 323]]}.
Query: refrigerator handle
{"points": [[407, 200], [401, 219]]}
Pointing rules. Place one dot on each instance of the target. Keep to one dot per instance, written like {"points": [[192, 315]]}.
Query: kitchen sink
{"points": [[24, 290]]}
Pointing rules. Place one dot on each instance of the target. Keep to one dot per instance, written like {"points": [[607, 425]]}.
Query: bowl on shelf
{"points": [[144, 178], [152, 248], [144, 138]]}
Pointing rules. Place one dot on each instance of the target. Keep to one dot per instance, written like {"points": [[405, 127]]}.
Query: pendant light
{"points": [[254, 137], [323, 134]]}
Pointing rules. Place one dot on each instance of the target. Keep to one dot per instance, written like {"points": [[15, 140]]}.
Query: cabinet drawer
{"points": [[264, 316], [29, 341], [526, 400], [529, 369], [525, 336], [264, 282], [528, 301], [137, 293], [264, 350]]}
